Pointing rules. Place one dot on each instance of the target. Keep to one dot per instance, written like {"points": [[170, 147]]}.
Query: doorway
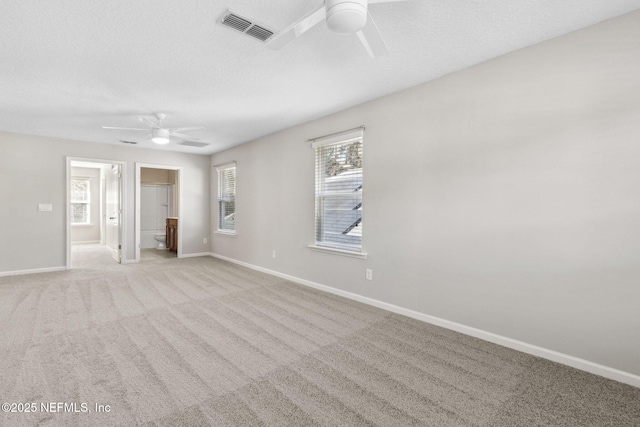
{"points": [[94, 211], [158, 210]]}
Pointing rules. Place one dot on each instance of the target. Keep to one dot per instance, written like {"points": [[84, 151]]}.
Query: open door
{"points": [[105, 225], [174, 198], [113, 211]]}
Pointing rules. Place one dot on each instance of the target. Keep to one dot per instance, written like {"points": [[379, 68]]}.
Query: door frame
{"points": [[122, 225], [116, 170], [179, 209]]}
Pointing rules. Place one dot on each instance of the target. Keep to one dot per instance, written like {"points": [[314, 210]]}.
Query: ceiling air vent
{"points": [[259, 33], [128, 142], [246, 26], [193, 143]]}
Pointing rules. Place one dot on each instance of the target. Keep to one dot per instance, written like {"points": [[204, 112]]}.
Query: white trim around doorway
{"points": [[179, 214], [123, 204]]}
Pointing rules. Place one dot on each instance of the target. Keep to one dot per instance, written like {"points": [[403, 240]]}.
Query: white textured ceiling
{"points": [[69, 67]]}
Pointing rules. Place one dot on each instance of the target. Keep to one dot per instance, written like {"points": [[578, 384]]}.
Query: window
{"points": [[339, 191], [80, 201], [227, 197]]}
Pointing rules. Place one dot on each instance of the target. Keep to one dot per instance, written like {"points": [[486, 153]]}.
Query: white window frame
{"points": [[321, 194], [84, 202], [221, 170]]}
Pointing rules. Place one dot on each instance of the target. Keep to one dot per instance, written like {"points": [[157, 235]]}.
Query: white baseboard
{"points": [[87, 242], [565, 359], [32, 271], [196, 255]]}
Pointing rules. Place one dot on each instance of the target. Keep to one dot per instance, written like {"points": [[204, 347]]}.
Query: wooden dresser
{"points": [[172, 234]]}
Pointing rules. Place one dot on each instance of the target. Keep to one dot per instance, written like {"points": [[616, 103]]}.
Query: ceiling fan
{"points": [[160, 134], [341, 16]]}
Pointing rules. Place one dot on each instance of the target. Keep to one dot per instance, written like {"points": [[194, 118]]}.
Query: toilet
{"points": [[162, 240]]}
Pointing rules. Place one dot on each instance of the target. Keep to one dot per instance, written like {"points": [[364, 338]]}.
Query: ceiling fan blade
{"points": [[188, 128], [110, 127], [372, 39], [298, 28], [183, 136], [149, 121]]}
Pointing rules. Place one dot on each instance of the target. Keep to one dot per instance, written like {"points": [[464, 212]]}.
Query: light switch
{"points": [[45, 207]]}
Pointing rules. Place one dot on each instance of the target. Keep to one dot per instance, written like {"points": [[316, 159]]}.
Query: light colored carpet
{"points": [[199, 341]]}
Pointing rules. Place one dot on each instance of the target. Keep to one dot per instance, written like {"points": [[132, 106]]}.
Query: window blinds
{"points": [[80, 196], [339, 190], [227, 197]]}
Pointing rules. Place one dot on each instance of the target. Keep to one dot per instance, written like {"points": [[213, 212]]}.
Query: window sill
{"points": [[226, 233], [341, 252]]}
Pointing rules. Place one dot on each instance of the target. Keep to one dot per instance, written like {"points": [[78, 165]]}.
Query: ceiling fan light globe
{"points": [[160, 140], [346, 16], [160, 136]]}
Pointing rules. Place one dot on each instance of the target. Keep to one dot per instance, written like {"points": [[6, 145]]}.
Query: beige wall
{"points": [[504, 197], [157, 176], [33, 171]]}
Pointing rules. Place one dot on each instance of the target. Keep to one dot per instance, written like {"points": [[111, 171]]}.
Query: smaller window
{"points": [[227, 197], [80, 201]]}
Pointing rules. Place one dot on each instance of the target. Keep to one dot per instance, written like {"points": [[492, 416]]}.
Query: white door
{"points": [[113, 211]]}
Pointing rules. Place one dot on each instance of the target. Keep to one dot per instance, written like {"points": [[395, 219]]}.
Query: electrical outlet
{"points": [[273, 254], [368, 274], [204, 241], [45, 207]]}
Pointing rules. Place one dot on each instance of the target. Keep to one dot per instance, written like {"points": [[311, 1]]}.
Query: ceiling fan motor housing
{"points": [[160, 136], [346, 16]]}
